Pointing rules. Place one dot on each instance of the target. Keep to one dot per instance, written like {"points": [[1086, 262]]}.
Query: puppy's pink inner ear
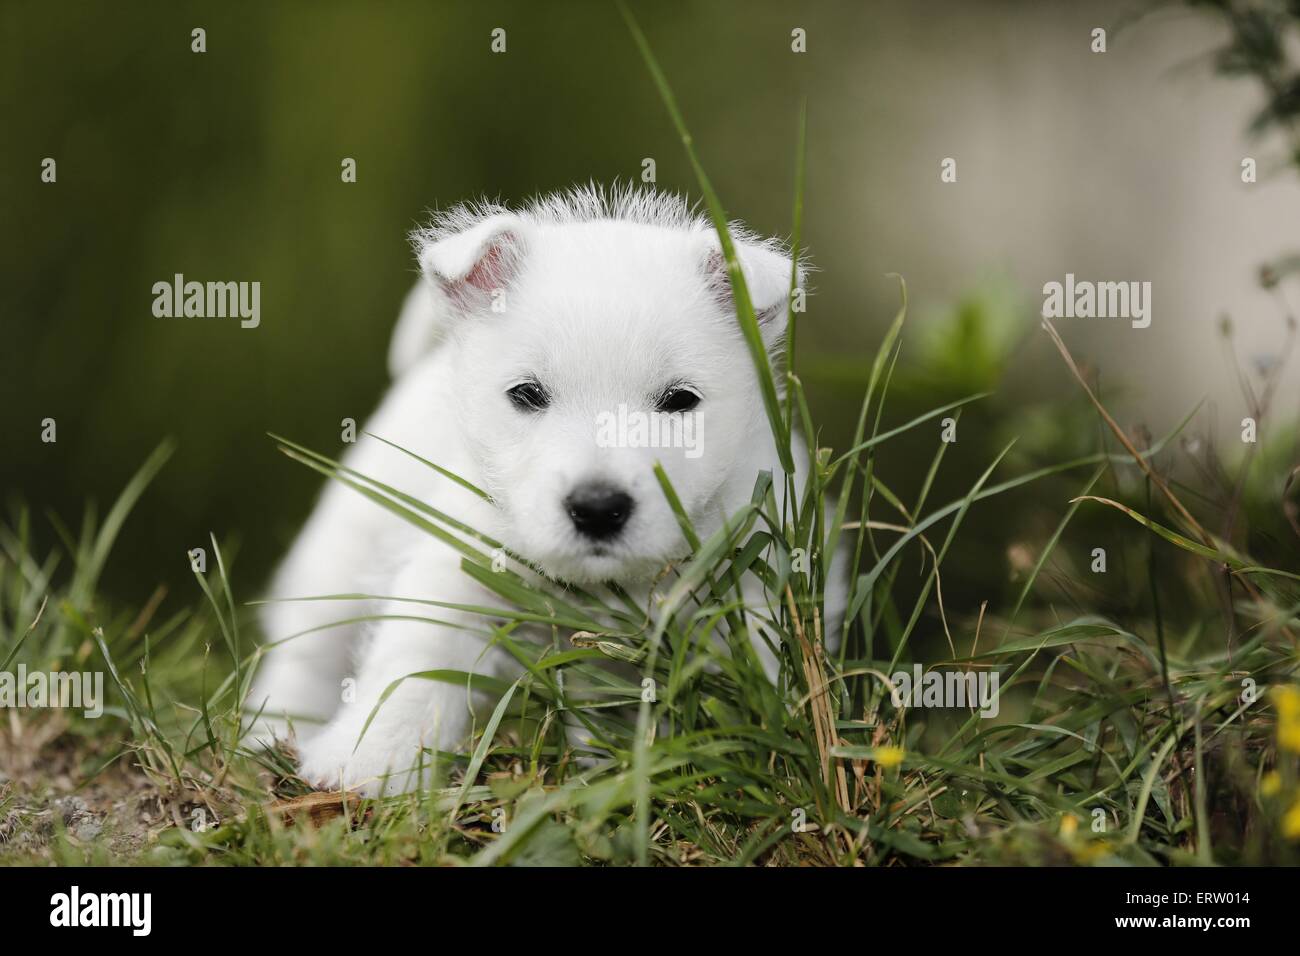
{"points": [[492, 268], [491, 271]]}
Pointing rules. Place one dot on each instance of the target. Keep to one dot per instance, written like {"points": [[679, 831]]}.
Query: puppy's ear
{"points": [[471, 265], [460, 273], [767, 277]]}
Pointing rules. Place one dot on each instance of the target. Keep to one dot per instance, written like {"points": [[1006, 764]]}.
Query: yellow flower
{"points": [[1270, 785], [1092, 851], [888, 757], [1287, 699], [1291, 822], [1069, 826]]}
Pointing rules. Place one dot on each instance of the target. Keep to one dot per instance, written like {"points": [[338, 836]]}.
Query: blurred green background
{"points": [[226, 166]]}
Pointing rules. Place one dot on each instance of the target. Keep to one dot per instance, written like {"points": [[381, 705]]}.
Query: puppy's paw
{"points": [[334, 760]]}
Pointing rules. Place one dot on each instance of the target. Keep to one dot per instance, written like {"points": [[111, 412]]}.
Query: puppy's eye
{"points": [[677, 399], [529, 396]]}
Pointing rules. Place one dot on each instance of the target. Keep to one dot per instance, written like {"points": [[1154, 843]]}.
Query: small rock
{"points": [[88, 829]]}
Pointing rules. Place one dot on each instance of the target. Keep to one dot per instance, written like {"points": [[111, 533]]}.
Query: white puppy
{"points": [[527, 333]]}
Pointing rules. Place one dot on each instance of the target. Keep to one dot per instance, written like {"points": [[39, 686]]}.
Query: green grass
{"points": [[1126, 736]]}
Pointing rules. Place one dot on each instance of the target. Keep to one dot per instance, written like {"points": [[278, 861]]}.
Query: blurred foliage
{"points": [[1258, 47], [970, 347], [1262, 41]]}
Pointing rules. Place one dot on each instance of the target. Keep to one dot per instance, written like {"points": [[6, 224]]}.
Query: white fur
{"points": [[608, 299]]}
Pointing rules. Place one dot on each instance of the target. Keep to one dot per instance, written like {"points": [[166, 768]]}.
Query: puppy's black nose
{"points": [[598, 511]]}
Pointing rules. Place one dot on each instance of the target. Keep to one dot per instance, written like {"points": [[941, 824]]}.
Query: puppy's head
{"points": [[590, 347]]}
